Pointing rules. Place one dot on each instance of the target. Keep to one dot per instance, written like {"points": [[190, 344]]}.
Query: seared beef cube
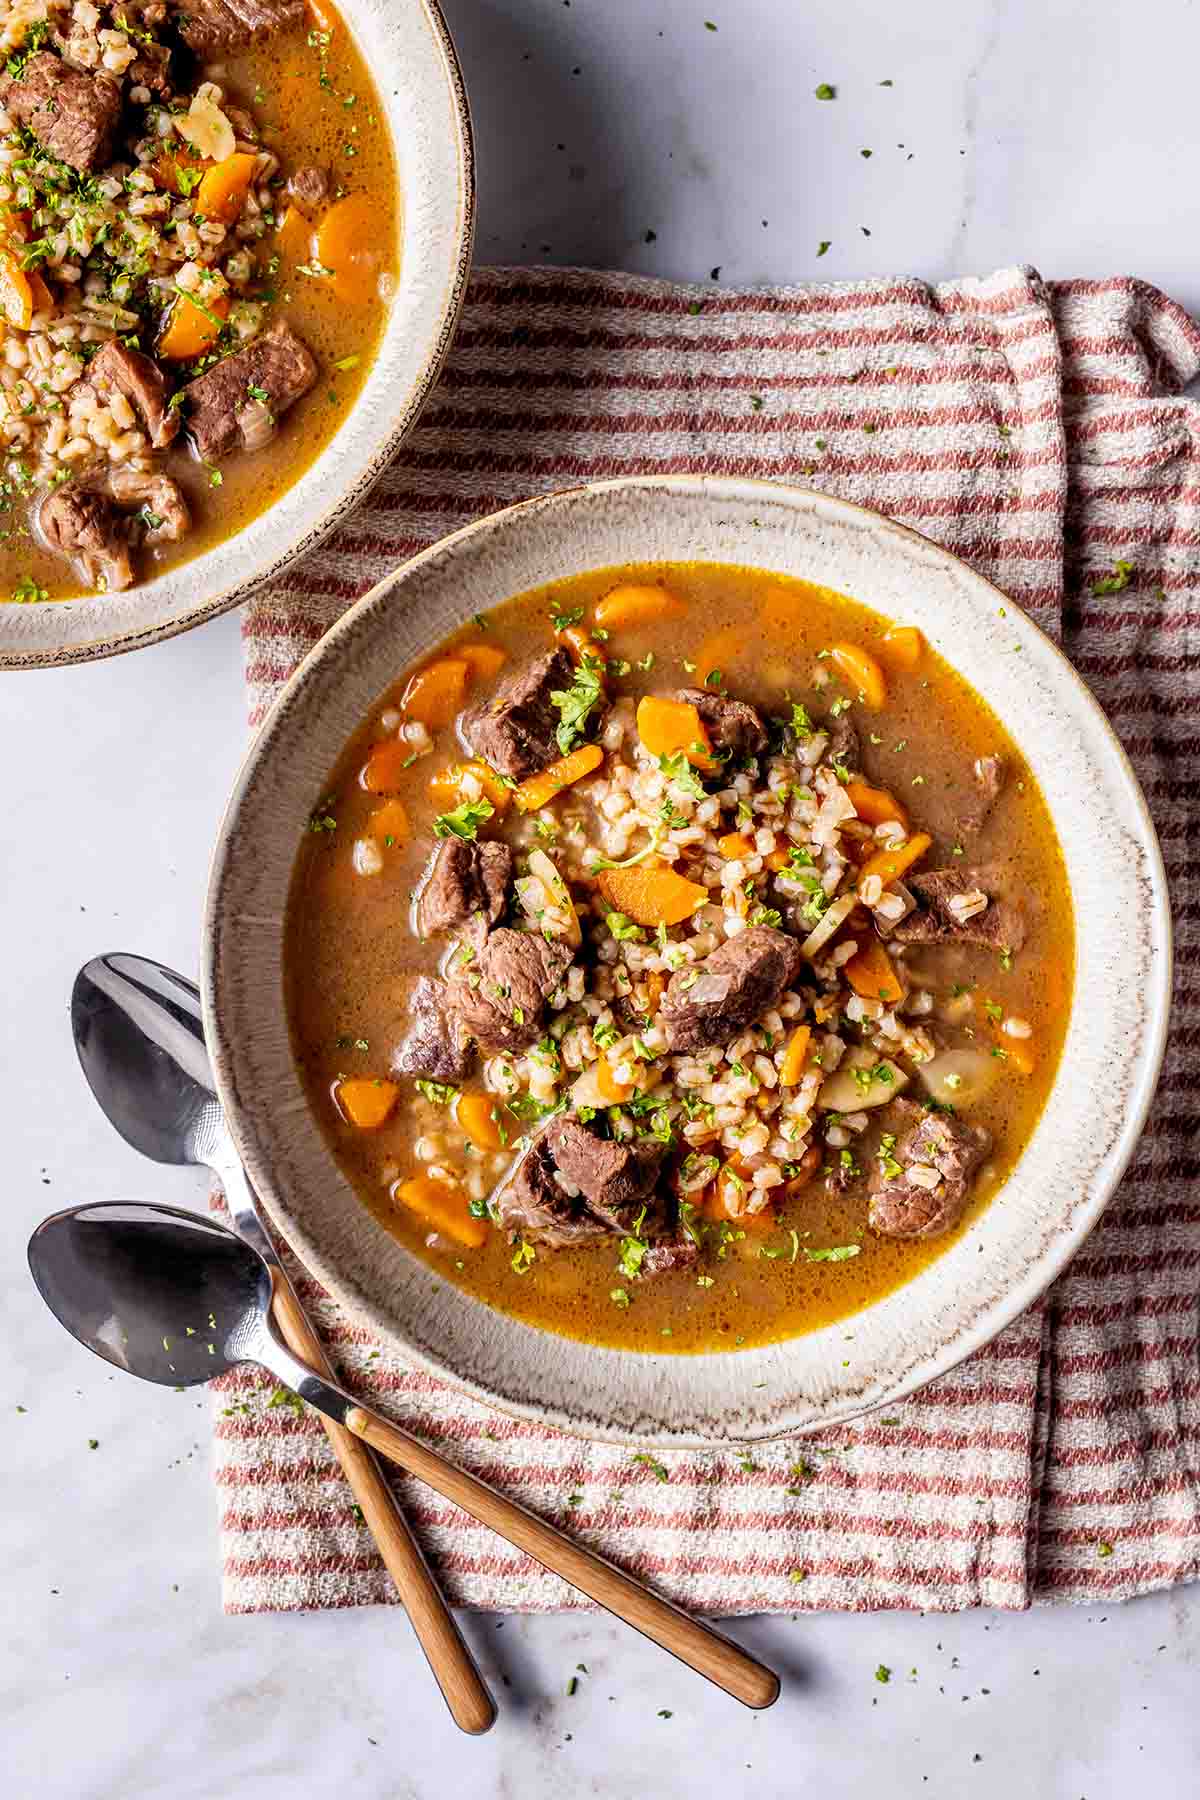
{"points": [[162, 511], [678, 1251], [732, 987], [237, 404], [309, 188], [466, 889], [82, 523], [731, 724], [535, 1205], [500, 996], [843, 749], [208, 25], [515, 731], [71, 114], [938, 1156], [954, 907], [151, 68], [116, 368], [616, 1179], [435, 1046], [245, 127], [990, 773]]}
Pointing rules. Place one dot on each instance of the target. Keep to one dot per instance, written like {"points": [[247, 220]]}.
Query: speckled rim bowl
{"points": [[1066, 1172], [407, 47]]}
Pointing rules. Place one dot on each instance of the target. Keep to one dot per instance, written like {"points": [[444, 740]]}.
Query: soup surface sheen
{"points": [[756, 1263]]}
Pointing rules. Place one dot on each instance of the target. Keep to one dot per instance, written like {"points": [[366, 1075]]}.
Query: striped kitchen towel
{"points": [[1036, 430]]}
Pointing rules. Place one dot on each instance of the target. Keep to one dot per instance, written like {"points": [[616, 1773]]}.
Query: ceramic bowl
{"points": [[408, 49], [1066, 1172]]}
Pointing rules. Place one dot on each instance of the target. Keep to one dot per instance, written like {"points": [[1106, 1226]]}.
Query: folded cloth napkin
{"points": [[1033, 428]]}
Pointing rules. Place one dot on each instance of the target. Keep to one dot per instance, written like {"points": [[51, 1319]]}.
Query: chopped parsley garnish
{"points": [[623, 929], [465, 820], [678, 769], [837, 1253], [576, 703], [438, 1093], [825, 91], [524, 1257], [560, 620], [657, 1468], [800, 722], [1117, 582], [620, 1297]]}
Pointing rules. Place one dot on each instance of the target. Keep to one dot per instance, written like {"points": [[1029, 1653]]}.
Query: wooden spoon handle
{"points": [[453, 1666], [698, 1645]]}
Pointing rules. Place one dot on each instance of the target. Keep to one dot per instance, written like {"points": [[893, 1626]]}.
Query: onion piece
{"points": [[960, 1077], [830, 922], [558, 896], [842, 1093]]}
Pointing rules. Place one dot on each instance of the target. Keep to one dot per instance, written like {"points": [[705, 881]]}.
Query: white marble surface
{"points": [[1042, 130]]}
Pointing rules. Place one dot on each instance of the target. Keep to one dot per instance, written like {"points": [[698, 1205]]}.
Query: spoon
{"points": [[179, 1299], [139, 1036]]}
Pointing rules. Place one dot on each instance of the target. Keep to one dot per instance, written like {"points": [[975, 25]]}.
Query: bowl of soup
{"points": [[234, 243], [687, 960]]}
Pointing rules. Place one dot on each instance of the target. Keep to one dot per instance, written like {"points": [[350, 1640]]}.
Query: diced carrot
{"points": [[637, 603], [192, 329], [668, 726], [541, 788], [795, 1056], [436, 693], [385, 767], [366, 1103], [444, 1205], [875, 806], [16, 295], [863, 673], [614, 1091], [1019, 1053], [656, 985], [717, 651], [485, 661], [446, 787], [350, 244], [39, 293], [179, 159], [581, 644], [223, 189], [728, 1193], [890, 865], [776, 860], [901, 646], [293, 236], [388, 825], [476, 1114], [734, 846], [873, 975], [651, 893]]}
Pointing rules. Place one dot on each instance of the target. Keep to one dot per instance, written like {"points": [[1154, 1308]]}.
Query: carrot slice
{"points": [[862, 672], [727, 1193], [735, 845], [349, 245], [717, 651], [485, 661], [637, 603], [873, 975], [581, 644], [389, 826], [875, 806], [39, 293], [446, 787], [476, 1114], [541, 788], [179, 168], [777, 859], [222, 192], [293, 235], [192, 329], [889, 865], [436, 692], [16, 295], [651, 893], [668, 726], [385, 768], [614, 1091], [902, 646], [795, 1056], [366, 1103], [444, 1205]]}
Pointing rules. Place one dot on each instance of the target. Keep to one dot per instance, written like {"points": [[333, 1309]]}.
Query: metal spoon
{"points": [[178, 1299], [139, 1036]]}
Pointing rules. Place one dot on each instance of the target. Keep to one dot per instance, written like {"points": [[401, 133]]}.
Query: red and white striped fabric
{"points": [[1034, 429]]}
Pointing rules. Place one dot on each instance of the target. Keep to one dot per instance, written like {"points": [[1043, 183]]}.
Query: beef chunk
{"points": [[733, 986], [938, 920], [151, 68], [163, 513], [434, 1047], [500, 997], [245, 127], [514, 732], [73, 115], [535, 1205], [116, 368], [83, 524], [208, 25], [466, 889], [309, 188], [843, 744], [990, 773], [731, 724], [933, 1144], [676, 1251], [615, 1179], [226, 409]]}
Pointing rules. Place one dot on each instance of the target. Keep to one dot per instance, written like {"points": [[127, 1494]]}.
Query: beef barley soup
{"points": [[198, 243], [679, 957]]}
